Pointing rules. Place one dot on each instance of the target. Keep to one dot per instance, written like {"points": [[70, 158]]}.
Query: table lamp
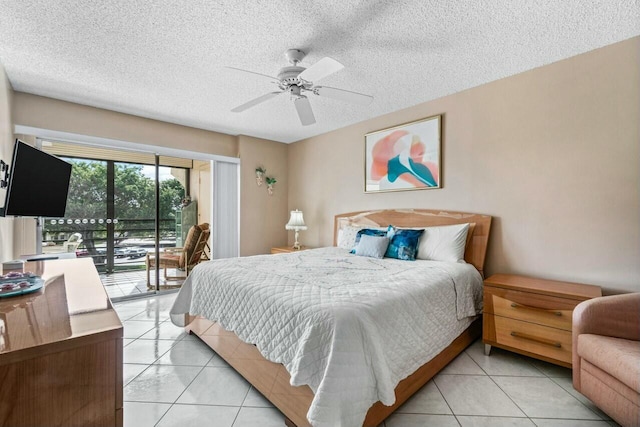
{"points": [[296, 223]]}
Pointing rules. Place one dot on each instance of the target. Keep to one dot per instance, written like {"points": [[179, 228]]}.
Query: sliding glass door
{"points": [[111, 217]]}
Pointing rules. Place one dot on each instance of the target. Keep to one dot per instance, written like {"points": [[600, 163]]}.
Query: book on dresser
{"points": [[532, 316]]}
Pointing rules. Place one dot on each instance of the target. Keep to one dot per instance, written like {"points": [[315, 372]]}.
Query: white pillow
{"points": [[444, 243], [347, 236]]}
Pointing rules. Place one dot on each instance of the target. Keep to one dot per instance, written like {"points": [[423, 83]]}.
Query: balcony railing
{"points": [[132, 239]]}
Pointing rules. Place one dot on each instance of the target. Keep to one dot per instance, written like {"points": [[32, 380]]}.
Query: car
{"points": [[133, 253], [98, 258]]}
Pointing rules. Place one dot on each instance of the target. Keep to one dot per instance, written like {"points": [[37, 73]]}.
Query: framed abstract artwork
{"points": [[404, 157]]}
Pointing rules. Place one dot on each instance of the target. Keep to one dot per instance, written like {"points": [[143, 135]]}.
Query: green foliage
{"points": [[134, 199], [270, 180]]}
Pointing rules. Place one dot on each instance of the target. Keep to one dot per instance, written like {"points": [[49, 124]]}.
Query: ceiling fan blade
{"points": [[253, 102], [254, 73], [303, 106], [343, 95], [321, 69]]}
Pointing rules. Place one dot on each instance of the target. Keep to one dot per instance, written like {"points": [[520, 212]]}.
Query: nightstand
{"points": [[532, 316], [287, 249]]}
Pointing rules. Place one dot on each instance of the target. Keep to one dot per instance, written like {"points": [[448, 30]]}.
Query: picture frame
{"points": [[404, 157]]}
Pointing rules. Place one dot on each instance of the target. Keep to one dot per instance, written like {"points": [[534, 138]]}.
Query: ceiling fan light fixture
{"points": [[294, 79]]}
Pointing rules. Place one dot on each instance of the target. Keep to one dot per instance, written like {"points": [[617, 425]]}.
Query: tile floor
{"points": [[130, 283], [172, 379]]}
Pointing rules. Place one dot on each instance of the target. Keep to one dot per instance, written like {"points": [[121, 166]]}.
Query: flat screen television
{"points": [[38, 183]]}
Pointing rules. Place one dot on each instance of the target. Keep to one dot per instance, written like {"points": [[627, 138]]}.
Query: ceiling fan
{"points": [[297, 81]]}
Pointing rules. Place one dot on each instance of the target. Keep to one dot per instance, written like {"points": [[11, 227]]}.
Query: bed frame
{"points": [[272, 379]]}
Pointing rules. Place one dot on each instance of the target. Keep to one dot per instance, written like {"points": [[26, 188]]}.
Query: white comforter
{"points": [[350, 327]]}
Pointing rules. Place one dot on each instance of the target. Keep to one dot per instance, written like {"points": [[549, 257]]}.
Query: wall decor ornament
{"points": [[260, 171], [270, 183], [404, 157]]}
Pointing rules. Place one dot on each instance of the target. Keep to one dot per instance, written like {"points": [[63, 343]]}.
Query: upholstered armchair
{"points": [[184, 258], [606, 355]]}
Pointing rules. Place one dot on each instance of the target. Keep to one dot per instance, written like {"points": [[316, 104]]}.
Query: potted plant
{"points": [[270, 182]]}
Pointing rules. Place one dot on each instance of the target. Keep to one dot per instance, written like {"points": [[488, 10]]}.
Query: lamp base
{"points": [[296, 245]]}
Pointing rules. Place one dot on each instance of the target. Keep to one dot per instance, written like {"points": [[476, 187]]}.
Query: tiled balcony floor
{"points": [[131, 283]]}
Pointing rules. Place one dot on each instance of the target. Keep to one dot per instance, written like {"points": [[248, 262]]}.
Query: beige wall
{"points": [[52, 114], [552, 153], [6, 148], [263, 217]]}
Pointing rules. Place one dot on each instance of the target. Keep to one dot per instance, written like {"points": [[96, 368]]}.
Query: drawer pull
{"points": [[526, 307], [536, 339]]}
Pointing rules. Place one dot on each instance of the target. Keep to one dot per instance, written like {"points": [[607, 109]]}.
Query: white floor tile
{"points": [[165, 331], [136, 328], [130, 371], [541, 397], [199, 416], [188, 353], [467, 421], [138, 414], [463, 365], [567, 384], [216, 392], [146, 351], [152, 314], [476, 395], [162, 384], [255, 399], [217, 361], [420, 420], [551, 370], [126, 312], [502, 362], [427, 400], [216, 386], [263, 417], [569, 423]]}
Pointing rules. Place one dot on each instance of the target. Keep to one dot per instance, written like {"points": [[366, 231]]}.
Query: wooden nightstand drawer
{"points": [[544, 341], [532, 316], [540, 309]]}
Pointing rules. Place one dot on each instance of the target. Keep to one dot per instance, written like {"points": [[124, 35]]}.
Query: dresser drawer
{"points": [[542, 340], [541, 309]]}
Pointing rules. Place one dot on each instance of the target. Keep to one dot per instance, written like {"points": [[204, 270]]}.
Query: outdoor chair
{"points": [[184, 258]]}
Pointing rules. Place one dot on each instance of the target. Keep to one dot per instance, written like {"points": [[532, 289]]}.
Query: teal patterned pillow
{"points": [[367, 232], [403, 244]]}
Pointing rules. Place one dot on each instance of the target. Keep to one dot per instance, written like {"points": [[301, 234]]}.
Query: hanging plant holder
{"points": [[270, 183], [260, 171]]}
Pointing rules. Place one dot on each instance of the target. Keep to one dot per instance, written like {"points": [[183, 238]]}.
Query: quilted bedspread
{"points": [[350, 327]]}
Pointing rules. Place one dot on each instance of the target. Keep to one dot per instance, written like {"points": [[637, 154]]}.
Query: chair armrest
{"points": [[173, 249], [614, 316]]}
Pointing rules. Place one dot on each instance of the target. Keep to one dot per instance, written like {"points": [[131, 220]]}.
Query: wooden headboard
{"points": [[476, 249]]}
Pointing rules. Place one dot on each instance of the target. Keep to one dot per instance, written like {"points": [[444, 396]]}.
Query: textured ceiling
{"points": [[165, 59]]}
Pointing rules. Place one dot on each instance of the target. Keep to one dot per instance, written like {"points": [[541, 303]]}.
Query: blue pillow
{"points": [[367, 232], [372, 246], [403, 243]]}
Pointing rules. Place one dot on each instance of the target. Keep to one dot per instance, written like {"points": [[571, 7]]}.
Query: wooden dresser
{"points": [[61, 351], [532, 316]]}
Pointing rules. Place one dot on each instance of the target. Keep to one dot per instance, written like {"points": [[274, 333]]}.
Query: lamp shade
{"points": [[296, 221]]}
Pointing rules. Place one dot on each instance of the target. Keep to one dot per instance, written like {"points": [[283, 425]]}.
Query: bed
{"points": [[330, 338]]}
